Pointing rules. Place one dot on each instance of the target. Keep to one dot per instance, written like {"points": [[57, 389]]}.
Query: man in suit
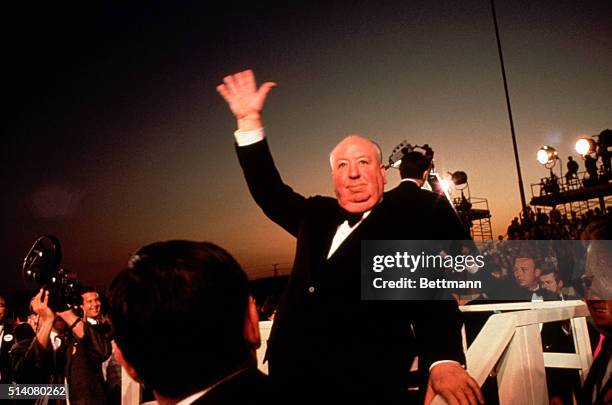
{"points": [[326, 343], [430, 215], [550, 280], [186, 326]]}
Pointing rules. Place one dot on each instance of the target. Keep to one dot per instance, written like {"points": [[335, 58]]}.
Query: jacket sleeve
{"points": [[438, 333], [449, 222], [277, 200], [28, 360]]}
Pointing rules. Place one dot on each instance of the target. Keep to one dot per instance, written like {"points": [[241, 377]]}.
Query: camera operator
{"points": [[65, 349]]}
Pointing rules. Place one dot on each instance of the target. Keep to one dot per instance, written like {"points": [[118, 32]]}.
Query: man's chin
{"points": [[357, 207]]}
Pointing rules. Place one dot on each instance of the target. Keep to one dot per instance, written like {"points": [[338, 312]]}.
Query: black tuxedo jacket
{"points": [[421, 214], [251, 387], [84, 365], [595, 377], [325, 340]]}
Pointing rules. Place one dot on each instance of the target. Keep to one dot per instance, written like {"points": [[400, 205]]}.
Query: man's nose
{"points": [[354, 171]]}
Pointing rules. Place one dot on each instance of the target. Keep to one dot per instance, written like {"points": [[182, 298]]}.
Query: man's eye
{"points": [[364, 162], [341, 164]]}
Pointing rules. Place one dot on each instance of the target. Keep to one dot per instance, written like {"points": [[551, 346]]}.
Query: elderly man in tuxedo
{"points": [[326, 343]]}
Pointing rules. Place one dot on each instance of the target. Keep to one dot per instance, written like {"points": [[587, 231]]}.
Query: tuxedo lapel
{"points": [[326, 232]]}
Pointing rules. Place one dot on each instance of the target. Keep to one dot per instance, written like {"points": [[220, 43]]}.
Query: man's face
{"points": [[59, 325], [525, 273], [357, 173], [91, 304], [548, 282], [2, 309], [597, 286]]}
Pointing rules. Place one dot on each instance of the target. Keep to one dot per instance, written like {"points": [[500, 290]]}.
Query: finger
{"points": [[249, 81], [36, 298], [476, 390], [46, 299], [462, 399], [265, 89], [230, 84], [222, 89], [429, 396], [471, 397], [450, 398], [240, 79]]}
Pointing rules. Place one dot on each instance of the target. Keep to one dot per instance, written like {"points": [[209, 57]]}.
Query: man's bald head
{"points": [[354, 138]]}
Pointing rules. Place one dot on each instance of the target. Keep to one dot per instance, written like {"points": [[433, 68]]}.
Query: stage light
{"points": [[584, 146], [546, 154], [458, 178]]}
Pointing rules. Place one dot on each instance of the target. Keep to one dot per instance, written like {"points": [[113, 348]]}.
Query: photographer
{"points": [[65, 349]]}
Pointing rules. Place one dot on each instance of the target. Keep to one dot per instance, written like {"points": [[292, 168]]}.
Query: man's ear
{"points": [[251, 324], [384, 173], [126, 366], [424, 176]]}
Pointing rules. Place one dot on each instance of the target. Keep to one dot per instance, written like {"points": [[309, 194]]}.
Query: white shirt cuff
{"points": [[246, 138], [435, 363]]}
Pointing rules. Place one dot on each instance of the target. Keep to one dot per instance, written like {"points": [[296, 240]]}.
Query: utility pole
{"points": [[503, 70]]}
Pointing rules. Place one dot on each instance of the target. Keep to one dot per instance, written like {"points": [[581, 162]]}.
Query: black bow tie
{"points": [[351, 217]]}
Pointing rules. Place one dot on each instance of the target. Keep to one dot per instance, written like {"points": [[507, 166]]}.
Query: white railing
{"points": [[508, 344]]}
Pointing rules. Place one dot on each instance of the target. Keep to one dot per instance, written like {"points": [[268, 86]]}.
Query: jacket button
{"points": [[311, 289]]}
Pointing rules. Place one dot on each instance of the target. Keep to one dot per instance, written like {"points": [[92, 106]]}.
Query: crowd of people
{"points": [[545, 232], [181, 320], [553, 225]]}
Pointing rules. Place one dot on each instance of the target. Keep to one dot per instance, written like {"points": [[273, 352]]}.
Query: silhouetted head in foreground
{"points": [[182, 316]]}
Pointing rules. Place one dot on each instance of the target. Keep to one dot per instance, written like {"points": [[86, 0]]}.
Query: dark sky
{"points": [[116, 136]]}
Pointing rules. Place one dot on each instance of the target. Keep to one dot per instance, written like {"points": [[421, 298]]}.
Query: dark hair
{"points": [[549, 268], [87, 289], [23, 331], [178, 314], [413, 165]]}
